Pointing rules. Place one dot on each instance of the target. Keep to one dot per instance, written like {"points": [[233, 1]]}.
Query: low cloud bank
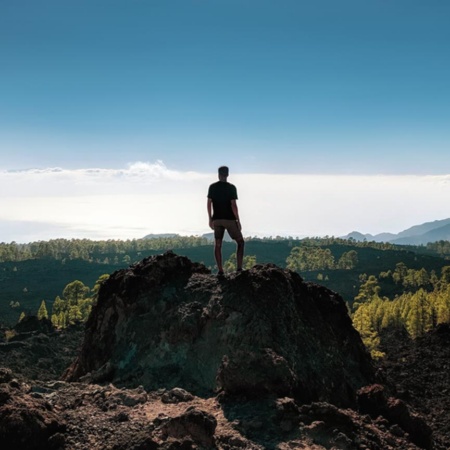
{"points": [[145, 198]]}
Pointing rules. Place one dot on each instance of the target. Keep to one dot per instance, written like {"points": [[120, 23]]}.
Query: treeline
{"points": [[88, 250], [441, 248], [424, 304]]}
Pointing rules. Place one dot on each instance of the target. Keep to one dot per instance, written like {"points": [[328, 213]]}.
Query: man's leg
{"points": [[218, 254], [240, 252]]}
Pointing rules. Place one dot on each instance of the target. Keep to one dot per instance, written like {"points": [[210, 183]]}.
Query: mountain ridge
{"points": [[421, 234]]}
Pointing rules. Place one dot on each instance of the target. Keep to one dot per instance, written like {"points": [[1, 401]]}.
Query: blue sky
{"points": [[345, 91], [278, 87]]}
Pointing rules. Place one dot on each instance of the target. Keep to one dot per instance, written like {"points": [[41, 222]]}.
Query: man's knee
{"points": [[240, 242], [218, 243]]}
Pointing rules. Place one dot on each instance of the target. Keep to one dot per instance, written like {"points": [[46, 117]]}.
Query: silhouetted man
{"points": [[223, 215]]}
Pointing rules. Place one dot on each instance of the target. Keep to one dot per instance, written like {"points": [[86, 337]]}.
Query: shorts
{"points": [[231, 226]]}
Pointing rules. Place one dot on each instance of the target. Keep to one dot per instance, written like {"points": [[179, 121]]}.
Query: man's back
{"points": [[222, 193]]}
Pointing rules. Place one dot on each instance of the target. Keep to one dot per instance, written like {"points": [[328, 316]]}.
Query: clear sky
{"points": [[288, 88]]}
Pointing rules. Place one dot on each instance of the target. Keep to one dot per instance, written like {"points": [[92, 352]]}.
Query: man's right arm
{"points": [[209, 208]]}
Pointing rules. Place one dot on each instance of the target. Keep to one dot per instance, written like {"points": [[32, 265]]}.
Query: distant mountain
{"points": [[384, 237], [419, 230], [438, 230], [436, 234], [357, 236]]}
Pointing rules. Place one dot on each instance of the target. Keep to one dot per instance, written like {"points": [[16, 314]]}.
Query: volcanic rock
{"points": [[167, 322], [418, 372]]}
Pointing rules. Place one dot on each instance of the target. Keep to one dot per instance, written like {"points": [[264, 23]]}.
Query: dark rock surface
{"points": [[167, 322], [58, 415], [31, 324], [418, 372], [37, 355]]}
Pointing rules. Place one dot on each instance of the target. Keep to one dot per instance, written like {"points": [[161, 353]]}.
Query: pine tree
{"points": [[42, 312]]}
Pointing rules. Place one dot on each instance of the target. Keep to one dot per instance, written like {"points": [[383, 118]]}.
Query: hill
{"points": [[416, 235], [441, 233]]}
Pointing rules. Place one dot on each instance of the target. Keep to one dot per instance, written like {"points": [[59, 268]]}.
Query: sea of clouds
{"points": [[144, 198]]}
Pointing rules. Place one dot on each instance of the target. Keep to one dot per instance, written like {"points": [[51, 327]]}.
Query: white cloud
{"points": [[150, 198]]}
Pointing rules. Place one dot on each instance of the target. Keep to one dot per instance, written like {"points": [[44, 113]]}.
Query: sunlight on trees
{"points": [[424, 304], [230, 264], [42, 312], [76, 304]]}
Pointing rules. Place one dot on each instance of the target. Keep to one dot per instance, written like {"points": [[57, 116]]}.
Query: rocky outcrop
{"points": [[27, 422], [167, 322], [31, 324], [373, 400], [418, 372], [35, 354], [56, 415]]}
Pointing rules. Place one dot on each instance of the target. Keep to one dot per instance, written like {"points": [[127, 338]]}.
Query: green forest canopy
{"points": [[385, 285]]}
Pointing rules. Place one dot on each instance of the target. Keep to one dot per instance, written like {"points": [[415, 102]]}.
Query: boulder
{"points": [[167, 322]]}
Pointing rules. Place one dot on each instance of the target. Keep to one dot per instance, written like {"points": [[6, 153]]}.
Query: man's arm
{"points": [[235, 210], [209, 208]]}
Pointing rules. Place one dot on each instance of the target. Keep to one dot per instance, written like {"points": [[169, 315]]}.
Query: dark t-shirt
{"points": [[221, 193]]}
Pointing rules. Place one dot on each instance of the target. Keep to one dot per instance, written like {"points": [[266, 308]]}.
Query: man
{"points": [[223, 215]]}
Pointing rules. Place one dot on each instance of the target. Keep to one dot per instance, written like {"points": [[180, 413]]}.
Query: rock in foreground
{"points": [[167, 322]]}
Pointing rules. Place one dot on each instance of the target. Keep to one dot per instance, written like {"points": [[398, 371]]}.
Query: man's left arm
{"points": [[235, 210]]}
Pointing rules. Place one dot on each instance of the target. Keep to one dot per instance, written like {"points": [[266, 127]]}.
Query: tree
{"points": [[74, 292], [42, 312], [247, 263], [310, 258], [419, 318], [367, 291], [58, 305], [445, 275], [97, 286], [400, 272], [348, 260], [362, 321]]}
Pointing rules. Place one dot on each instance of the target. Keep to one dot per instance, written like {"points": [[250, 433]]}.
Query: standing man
{"points": [[223, 215]]}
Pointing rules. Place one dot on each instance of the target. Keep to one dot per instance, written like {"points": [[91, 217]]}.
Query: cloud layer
{"points": [[145, 198]]}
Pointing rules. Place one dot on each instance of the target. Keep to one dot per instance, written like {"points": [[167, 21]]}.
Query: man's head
{"points": [[223, 172]]}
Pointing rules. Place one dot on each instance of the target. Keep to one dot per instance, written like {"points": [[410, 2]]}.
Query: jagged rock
{"points": [[417, 371], [373, 400], [31, 324], [336, 428], [193, 423], [166, 322], [6, 375], [90, 416], [26, 422], [176, 395], [36, 355]]}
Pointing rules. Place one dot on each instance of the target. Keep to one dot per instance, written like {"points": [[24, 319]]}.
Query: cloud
{"points": [[147, 198], [56, 181]]}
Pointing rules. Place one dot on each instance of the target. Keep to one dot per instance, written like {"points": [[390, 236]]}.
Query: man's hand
{"points": [[238, 223], [211, 224]]}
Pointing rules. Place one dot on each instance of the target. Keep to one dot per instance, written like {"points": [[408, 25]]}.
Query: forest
{"points": [[384, 285]]}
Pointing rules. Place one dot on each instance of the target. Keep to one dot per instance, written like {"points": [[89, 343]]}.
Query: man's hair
{"points": [[223, 170]]}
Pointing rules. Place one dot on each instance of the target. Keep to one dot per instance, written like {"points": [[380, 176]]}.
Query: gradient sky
{"points": [[286, 86], [335, 94]]}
